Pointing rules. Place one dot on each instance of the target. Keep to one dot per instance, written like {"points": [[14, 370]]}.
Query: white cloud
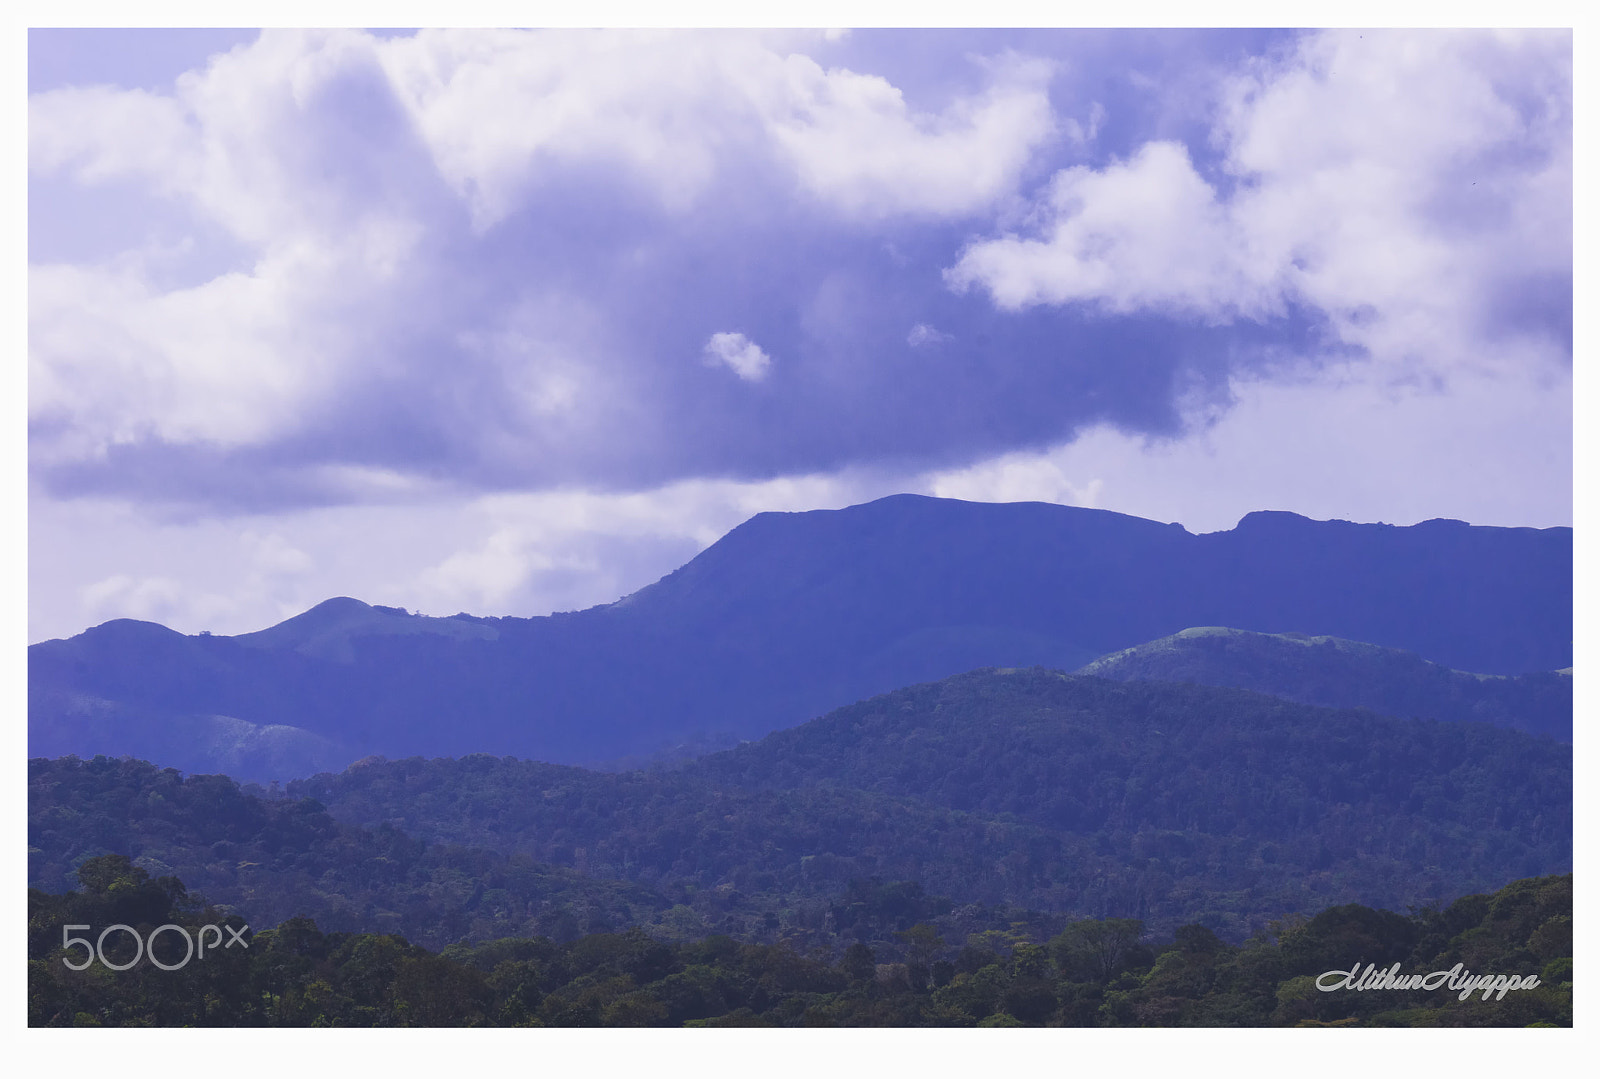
{"points": [[1014, 477], [923, 335], [739, 354], [242, 140], [99, 133], [1148, 233], [260, 570], [855, 142], [222, 362], [500, 108], [1396, 183], [149, 599], [272, 556], [250, 143], [496, 111]]}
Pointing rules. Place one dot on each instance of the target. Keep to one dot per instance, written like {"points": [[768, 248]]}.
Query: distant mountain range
{"points": [[792, 614]]}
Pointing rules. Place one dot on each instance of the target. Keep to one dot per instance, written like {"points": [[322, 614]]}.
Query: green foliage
{"points": [[1097, 951], [1092, 973], [977, 838], [1172, 804], [271, 860]]}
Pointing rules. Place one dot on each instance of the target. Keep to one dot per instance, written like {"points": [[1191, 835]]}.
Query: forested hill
{"points": [[1085, 754], [1030, 789], [1166, 802], [790, 615], [1347, 674]]}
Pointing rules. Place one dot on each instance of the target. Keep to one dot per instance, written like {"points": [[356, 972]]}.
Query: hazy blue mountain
{"points": [[328, 629], [1347, 674], [250, 752], [792, 614]]}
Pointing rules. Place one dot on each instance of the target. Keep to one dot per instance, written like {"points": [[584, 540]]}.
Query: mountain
{"points": [[792, 614], [1347, 674], [1166, 802], [1028, 789], [328, 630]]}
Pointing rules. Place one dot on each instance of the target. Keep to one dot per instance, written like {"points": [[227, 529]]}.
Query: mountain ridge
{"points": [[1338, 673], [790, 615]]}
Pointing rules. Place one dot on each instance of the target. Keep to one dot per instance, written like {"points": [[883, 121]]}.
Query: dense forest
{"points": [[1092, 972], [1002, 847], [1163, 802], [1023, 789], [272, 859]]}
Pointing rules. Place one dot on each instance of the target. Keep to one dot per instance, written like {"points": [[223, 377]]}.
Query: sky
{"points": [[512, 322]]}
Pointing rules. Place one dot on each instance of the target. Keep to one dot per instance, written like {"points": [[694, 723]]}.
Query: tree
{"points": [[1097, 950], [859, 963], [98, 875], [923, 942]]}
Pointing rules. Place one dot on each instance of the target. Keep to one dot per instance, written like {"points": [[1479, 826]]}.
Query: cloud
{"points": [[922, 335], [258, 570], [1015, 477], [473, 254], [501, 108], [99, 133], [855, 143], [425, 269], [741, 355], [1145, 234], [1410, 188], [148, 599], [115, 361]]}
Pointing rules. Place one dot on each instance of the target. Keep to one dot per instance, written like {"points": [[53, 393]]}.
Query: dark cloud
{"points": [[833, 307]]}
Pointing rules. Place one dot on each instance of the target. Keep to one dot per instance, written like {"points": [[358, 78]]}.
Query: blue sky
{"points": [[512, 322]]}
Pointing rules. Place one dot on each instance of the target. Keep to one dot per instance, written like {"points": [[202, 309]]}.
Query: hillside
{"points": [[792, 614], [1028, 789], [274, 859], [1165, 802], [1347, 674]]}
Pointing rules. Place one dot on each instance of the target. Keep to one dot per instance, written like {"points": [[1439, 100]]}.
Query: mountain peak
{"points": [[1257, 519], [327, 630]]}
